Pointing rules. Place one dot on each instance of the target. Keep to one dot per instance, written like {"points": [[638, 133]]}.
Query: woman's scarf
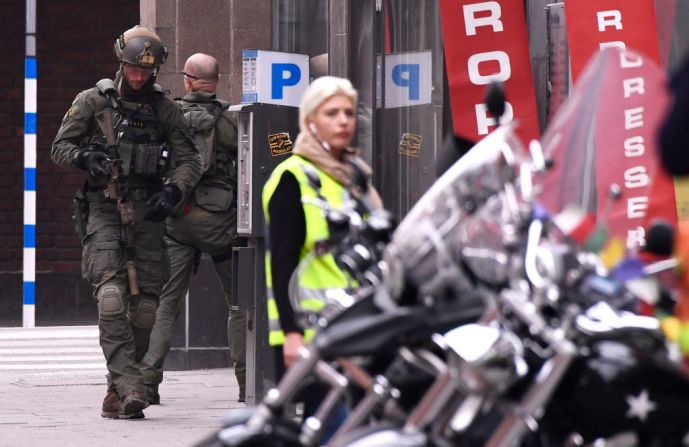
{"points": [[309, 147]]}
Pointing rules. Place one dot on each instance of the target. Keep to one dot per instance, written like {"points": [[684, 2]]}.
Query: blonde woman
{"points": [[320, 167]]}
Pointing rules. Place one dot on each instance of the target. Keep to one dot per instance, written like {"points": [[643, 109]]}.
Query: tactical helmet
{"points": [[140, 46]]}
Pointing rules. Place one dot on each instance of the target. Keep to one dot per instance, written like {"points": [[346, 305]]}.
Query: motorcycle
{"points": [[520, 335], [557, 360], [560, 357]]}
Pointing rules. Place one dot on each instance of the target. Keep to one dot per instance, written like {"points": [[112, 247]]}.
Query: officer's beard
{"points": [[127, 92]]}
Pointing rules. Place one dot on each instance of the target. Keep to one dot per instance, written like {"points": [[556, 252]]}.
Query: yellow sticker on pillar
{"points": [[279, 143], [410, 144]]}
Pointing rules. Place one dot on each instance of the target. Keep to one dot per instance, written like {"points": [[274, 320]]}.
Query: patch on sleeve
{"points": [[72, 111]]}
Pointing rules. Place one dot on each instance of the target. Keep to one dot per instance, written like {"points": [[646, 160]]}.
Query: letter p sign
{"points": [[283, 75], [274, 77], [408, 79], [407, 75]]}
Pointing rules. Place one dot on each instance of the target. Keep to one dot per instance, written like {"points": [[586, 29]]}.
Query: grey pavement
{"points": [[52, 386]]}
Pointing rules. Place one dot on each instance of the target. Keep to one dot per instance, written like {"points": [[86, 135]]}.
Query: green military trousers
{"points": [[214, 233], [124, 320]]}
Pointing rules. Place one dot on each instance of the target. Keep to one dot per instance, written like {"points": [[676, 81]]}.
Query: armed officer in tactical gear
{"points": [[206, 223], [120, 133]]}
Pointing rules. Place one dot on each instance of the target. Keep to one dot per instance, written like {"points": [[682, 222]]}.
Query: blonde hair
{"points": [[319, 91]]}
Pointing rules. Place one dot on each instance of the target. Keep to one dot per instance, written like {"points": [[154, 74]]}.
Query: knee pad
{"points": [[110, 300], [142, 312]]}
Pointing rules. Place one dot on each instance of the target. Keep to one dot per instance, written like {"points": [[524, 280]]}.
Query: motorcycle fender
{"points": [[388, 437]]}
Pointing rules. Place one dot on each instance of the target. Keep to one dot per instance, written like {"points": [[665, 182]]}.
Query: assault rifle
{"points": [[118, 191]]}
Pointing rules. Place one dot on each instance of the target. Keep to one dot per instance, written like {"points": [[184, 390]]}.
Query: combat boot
{"points": [[132, 404], [112, 406], [152, 395]]}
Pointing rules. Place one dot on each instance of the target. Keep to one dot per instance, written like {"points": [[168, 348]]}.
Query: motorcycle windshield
{"points": [[429, 241], [604, 138]]}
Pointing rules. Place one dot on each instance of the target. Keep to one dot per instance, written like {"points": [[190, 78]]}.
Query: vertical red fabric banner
{"points": [[622, 23], [630, 112], [596, 24], [605, 134], [485, 41]]}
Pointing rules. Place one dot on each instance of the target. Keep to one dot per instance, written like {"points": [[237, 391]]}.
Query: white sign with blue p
{"points": [[408, 80], [273, 77]]}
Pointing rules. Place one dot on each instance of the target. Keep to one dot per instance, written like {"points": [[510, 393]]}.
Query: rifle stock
{"points": [[133, 281], [117, 190]]}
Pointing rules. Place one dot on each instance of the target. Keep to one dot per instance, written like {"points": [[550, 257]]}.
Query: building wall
{"points": [[74, 50], [221, 28]]}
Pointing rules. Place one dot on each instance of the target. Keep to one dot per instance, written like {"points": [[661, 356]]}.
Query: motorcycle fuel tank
{"points": [[619, 388]]}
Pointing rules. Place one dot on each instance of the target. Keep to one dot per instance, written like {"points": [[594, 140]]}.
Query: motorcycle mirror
{"points": [[614, 194], [660, 238], [495, 99], [452, 149]]}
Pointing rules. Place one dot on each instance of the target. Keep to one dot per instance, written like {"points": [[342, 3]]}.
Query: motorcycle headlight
{"points": [[488, 358]]}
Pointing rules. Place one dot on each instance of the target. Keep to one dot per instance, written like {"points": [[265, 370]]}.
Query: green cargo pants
{"points": [[209, 232], [124, 320]]}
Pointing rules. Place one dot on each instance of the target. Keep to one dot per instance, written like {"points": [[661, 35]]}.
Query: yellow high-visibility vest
{"points": [[321, 273]]}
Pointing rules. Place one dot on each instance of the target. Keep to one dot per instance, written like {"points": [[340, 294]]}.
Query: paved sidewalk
{"points": [[52, 384], [64, 409]]}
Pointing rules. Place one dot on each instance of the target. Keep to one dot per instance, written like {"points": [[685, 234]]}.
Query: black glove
{"points": [[160, 204], [93, 162]]}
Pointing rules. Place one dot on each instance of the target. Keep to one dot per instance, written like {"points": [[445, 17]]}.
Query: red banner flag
{"points": [[630, 114], [605, 134], [595, 24], [486, 41]]}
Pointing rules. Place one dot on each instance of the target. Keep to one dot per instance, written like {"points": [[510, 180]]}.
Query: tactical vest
{"points": [[141, 140], [217, 187], [321, 273], [225, 163], [202, 119]]}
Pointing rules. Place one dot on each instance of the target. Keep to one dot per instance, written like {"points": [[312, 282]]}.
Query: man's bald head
{"points": [[201, 73]]}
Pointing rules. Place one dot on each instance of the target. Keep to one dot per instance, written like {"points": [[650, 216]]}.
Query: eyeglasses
{"points": [[192, 77]]}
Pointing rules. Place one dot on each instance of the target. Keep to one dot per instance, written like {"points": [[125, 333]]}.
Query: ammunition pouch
{"points": [[214, 198], [144, 159], [80, 212], [125, 152]]}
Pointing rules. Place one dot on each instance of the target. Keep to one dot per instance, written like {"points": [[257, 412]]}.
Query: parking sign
{"points": [[273, 77]]}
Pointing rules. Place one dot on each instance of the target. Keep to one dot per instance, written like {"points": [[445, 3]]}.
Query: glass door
{"points": [[397, 65]]}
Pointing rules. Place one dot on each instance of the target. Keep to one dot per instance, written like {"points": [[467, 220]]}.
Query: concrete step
{"points": [[51, 358], [51, 349], [50, 332]]}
